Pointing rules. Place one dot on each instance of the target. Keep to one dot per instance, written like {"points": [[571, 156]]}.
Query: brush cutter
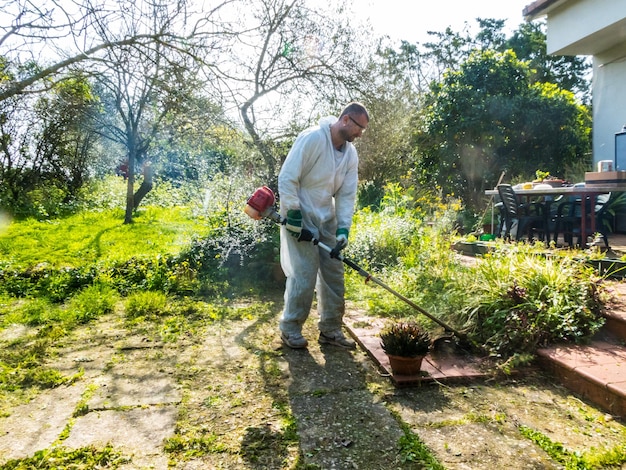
{"points": [[261, 205]]}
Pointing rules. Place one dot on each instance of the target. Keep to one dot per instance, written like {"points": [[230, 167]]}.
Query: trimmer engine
{"points": [[261, 205]]}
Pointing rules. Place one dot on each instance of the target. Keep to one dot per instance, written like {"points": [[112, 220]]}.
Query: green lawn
{"points": [[91, 237]]}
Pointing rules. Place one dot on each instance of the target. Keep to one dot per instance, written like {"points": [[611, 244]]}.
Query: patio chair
{"points": [[569, 217], [529, 218]]}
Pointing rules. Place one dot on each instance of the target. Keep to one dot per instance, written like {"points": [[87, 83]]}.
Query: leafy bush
{"points": [[110, 193], [408, 244], [103, 194], [511, 302], [145, 305], [47, 201], [44, 280], [380, 240], [521, 300]]}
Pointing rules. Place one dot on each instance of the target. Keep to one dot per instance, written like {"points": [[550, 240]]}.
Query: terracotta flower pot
{"points": [[402, 365]]}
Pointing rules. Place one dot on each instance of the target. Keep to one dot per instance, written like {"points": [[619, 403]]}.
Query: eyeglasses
{"points": [[363, 128]]}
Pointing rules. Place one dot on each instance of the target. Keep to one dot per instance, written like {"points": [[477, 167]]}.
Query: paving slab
{"points": [[136, 381], [139, 431], [133, 388], [470, 447], [312, 372], [340, 428], [37, 425]]}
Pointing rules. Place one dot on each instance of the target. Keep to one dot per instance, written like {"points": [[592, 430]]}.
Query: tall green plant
{"points": [[521, 300], [407, 243]]}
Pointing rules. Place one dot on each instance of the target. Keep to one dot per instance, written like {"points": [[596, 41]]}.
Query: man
{"points": [[317, 186]]}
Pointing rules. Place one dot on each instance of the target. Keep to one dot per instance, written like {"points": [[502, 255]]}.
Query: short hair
{"points": [[355, 108]]}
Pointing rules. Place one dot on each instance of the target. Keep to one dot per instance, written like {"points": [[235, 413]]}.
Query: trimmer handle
{"points": [[341, 244]]}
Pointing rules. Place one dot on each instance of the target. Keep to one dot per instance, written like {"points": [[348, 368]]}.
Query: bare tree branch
{"points": [[289, 57]]}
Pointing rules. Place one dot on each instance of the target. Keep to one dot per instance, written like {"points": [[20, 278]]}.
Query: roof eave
{"points": [[540, 8]]}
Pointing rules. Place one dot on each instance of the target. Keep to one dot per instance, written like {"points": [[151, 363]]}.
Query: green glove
{"points": [[342, 242], [342, 237], [294, 222]]}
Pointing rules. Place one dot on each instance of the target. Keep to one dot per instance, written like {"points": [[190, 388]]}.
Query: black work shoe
{"points": [[294, 341], [336, 338]]}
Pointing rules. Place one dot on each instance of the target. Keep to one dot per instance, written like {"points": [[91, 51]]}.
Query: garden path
{"points": [[234, 383]]}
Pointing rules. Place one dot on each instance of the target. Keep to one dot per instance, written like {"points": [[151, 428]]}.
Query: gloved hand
{"points": [[342, 242], [294, 222], [342, 237]]}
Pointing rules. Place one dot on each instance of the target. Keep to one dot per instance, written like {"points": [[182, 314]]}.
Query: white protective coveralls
{"points": [[322, 182]]}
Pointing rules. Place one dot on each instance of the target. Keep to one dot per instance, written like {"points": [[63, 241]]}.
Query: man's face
{"points": [[353, 126]]}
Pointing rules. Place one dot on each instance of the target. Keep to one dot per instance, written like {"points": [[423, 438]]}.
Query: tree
{"points": [[47, 144], [139, 53], [16, 158], [287, 53], [385, 149], [142, 85], [197, 141], [139, 90], [568, 72], [67, 140], [448, 49], [67, 35], [488, 117]]}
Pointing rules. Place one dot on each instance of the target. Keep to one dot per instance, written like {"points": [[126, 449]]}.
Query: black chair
{"points": [[569, 217], [530, 217]]}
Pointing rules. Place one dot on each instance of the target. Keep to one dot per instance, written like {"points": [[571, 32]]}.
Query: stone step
{"points": [[615, 325], [596, 371]]}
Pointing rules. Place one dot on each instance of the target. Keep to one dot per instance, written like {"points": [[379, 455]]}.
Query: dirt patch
{"points": [[227, 395]]}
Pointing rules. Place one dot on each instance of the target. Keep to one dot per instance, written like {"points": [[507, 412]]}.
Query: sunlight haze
{"points": [[411, 19]]}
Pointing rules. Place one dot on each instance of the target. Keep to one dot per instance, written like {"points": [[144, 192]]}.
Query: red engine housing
{"points": [[262, 199]]}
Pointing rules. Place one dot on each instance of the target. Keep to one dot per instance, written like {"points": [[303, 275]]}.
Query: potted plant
{"points": [[546, 178], [406, 343]]}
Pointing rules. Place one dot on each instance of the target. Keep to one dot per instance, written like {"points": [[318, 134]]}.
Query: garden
{"points": [[519, 297], [175, 272]]}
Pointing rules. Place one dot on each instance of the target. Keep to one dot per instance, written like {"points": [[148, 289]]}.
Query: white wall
{"points": [[586, 27], [596, 28], [609, 101]]}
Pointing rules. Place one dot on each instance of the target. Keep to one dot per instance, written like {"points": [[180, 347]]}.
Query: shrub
{"points": [[145, 305], [521, 300], [380, 240], [46, 281], [32, 312]]}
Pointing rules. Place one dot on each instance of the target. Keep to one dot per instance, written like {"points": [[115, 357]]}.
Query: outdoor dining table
{"points": [[591, 191]]}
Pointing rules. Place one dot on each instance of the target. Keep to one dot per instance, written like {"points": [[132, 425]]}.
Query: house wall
{"points": [[596, 28], [586, 27], [609, 101]]}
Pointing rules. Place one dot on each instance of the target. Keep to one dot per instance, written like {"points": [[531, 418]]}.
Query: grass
{"points": [[81, 241], [91, 237], [593, 459], [59, 458]]}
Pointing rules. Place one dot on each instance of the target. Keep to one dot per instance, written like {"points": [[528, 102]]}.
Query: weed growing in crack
{"points": [[594, 458], [59, 458]]}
